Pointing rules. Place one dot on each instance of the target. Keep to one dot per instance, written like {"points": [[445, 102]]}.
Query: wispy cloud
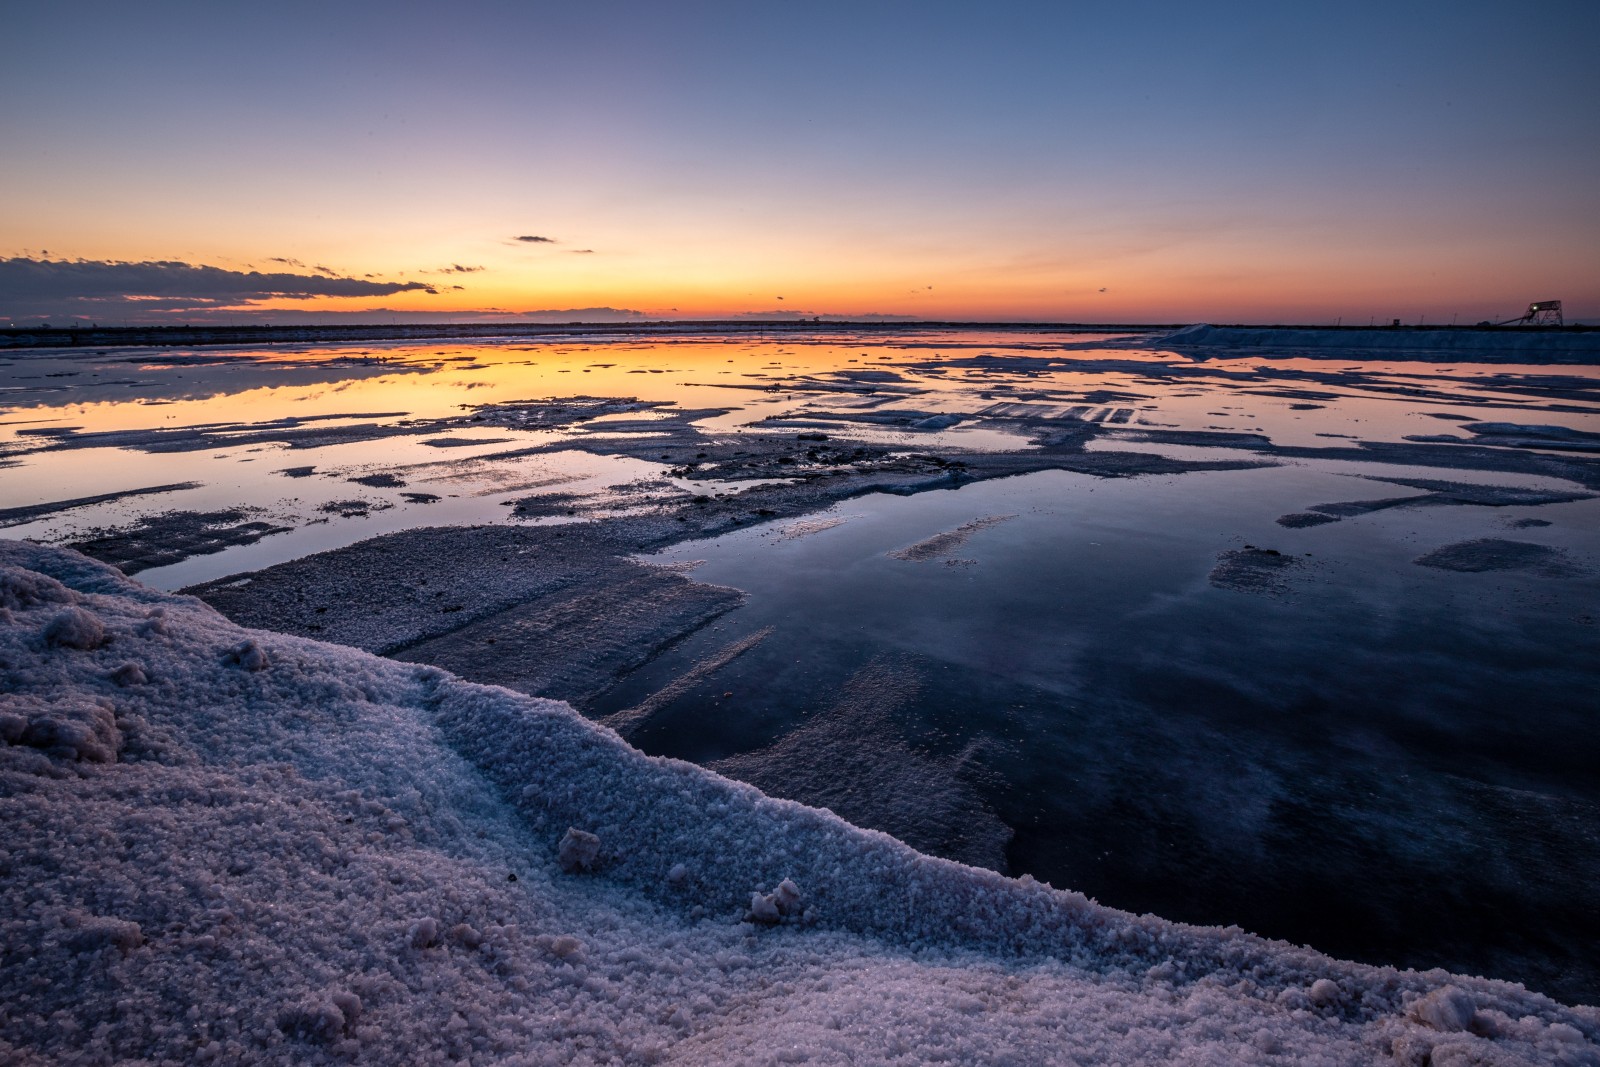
{"points": [[787, 315], [600, 314], [532, 240], [583, 251]]}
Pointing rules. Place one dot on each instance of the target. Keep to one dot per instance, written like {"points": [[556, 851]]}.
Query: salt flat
{"points": [[1296, 641]]}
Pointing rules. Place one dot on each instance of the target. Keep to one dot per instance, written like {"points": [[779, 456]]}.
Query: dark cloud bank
{"points": [[113, 290]]}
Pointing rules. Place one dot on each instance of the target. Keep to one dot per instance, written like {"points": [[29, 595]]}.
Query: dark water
{"points": [[1387, 761]]}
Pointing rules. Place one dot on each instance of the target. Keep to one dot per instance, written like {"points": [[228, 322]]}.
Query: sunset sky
{"points": [[1135, 162]]}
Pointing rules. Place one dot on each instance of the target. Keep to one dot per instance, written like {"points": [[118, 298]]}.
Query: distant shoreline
{"points": [[206, 336]]}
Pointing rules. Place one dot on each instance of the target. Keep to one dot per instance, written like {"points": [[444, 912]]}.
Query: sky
{"points": [[1063, 161]]}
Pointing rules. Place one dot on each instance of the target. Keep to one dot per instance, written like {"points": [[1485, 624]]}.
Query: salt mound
{"points": [[336, 858]]}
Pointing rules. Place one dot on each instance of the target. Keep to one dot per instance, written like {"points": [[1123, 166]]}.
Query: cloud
{"points": [[229, 311], [529, 239], [456, 268], [602, 314], [286, 261], [121, 291], [786, 315], [583, 251]]}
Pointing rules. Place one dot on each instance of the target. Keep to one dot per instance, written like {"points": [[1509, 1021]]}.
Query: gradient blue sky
{"points": [[1223, 162]]}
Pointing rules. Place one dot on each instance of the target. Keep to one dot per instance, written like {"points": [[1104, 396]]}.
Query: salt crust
{"points": [[336, 858]]}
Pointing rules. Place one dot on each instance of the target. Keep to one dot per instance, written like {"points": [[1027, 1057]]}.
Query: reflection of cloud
{"points": [[536, 240], [122, 290]]}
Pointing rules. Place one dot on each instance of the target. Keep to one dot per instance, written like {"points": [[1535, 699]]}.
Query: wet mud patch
{"points": [[852, 759], [1518, 435], [175, 537], [620, 616], [629, 720], [806, 527], [463, 442], [33, 512], [378, 481], [1439, 494], [1254, 570], [553, 412], [545, 505], [1297, 520], [1498, 554], [353, 509], [943, 546]]}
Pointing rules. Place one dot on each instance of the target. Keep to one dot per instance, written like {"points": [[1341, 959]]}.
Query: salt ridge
{"points": [[235, 846]]}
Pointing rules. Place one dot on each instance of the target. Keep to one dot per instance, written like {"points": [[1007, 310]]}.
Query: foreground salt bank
{"points": [[233, 846]]}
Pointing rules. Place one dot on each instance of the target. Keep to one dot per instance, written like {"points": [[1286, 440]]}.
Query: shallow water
{"points": [[1333, 744], [1381, 760]]}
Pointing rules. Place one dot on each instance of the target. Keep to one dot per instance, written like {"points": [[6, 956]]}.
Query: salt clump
{"points": [[1446, 1009], [1325, 991], [579, 851], [129, 674], [75, 628], [424, 933], [249, 655], [21, 589], [774, 907], [89, 933]]}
